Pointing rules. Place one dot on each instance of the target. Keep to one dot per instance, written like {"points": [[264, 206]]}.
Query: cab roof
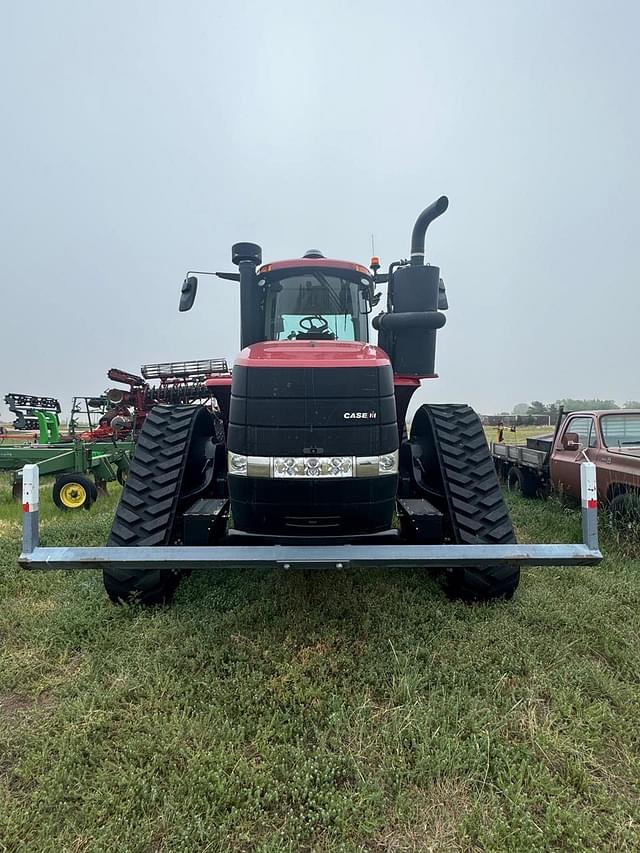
{"points": [[314, 263], [600, 412]]}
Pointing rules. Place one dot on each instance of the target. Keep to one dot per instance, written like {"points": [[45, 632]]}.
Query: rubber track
{"points": [[147, 508], [478, 511]]}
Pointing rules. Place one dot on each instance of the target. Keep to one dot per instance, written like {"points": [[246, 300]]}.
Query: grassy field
{"points": [[347, 712], [519, 435]]}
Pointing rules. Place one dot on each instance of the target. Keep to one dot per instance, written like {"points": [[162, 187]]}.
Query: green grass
{"points": [[360, 711]]}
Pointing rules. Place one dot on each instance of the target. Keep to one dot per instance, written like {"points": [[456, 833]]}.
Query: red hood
{"points": [[312, 354]]}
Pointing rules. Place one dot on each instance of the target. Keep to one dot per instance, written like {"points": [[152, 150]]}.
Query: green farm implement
{"points": [[82, 466]]}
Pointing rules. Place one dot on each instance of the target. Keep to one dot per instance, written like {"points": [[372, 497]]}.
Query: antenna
{"points": [[375, 261]]}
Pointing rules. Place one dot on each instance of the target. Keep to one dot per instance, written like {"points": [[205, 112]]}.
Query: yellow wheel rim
{"points": [[73, 495]]}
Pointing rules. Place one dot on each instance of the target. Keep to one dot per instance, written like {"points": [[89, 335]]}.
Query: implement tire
{"points": [[73, 491], [167, 463], [455, 463]]}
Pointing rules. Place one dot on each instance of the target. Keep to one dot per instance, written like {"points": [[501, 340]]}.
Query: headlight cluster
{"points": [[313, 466], [319, 467]]}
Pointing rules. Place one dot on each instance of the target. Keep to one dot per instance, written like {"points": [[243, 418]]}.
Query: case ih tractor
{"points": [[305, 461]]}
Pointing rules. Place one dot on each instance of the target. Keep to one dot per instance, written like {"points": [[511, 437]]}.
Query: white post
{"points": [[589, 494], [30, 507]]}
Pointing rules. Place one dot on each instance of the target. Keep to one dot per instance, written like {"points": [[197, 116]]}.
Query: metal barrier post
{"points": [[589, 494], [30, 508]]}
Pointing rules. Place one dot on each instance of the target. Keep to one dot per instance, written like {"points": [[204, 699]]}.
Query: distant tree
{"points": [[632, 404], [521, 409], [571, 405], [537, 407]]}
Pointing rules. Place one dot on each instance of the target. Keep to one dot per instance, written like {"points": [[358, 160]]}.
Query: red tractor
{"points": [[306, 461]]}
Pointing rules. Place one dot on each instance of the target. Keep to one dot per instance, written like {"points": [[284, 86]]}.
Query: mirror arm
{"points": [[229, 276], [190, 286]]}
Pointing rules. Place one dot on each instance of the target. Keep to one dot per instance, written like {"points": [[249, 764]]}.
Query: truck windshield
{"points": [[620, 430], [312, 304]]}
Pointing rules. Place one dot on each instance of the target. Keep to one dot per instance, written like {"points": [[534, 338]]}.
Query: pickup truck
{"points": [[609, 439]]}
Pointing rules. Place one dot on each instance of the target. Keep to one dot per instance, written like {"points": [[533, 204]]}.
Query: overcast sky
{"points": [[141, 139]]}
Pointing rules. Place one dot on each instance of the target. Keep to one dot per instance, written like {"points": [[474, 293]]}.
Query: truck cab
{"points": [[610, 439]]}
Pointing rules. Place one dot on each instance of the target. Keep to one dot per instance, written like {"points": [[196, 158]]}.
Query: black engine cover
{"points": [[313, 411]]}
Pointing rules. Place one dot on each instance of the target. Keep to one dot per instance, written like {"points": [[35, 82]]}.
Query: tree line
{"points": [[537, 407]]}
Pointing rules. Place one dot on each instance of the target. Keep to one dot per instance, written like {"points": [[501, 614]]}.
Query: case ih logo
{"points": [[368, 416]]}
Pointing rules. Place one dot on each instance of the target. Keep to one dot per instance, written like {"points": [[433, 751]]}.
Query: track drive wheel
{"points": [[73, 491], [454, 469], [170, 464]]}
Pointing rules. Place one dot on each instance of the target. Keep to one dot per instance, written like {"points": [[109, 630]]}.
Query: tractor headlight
{"points": [[320, 467], [388, 463], [237, 463], [312, 466]]}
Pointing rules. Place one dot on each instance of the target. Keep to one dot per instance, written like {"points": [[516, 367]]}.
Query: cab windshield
{"points": [[316, 305], [621, 430]]}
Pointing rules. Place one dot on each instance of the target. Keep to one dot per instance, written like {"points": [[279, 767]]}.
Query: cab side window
{"points": [[584, 427]]}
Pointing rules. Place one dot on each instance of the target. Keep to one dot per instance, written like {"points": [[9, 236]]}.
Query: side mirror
{"points": [[188, 293], [571, 441]]}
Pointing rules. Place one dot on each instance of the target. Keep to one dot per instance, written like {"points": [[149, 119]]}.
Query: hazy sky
{"points": [[141, 139]]}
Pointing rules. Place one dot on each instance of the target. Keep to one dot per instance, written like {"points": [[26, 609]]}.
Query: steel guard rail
{"points": [[35, 556]]}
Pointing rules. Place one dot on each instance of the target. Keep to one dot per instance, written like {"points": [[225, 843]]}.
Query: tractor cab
{"points": [[315, 299]]}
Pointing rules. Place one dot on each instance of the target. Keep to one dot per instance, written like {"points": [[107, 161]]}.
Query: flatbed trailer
{"points": [[524, 466], [525, 455]]}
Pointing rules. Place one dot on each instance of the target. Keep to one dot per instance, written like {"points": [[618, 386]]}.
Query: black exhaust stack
{"points": [[419, 233], [247, 256], [408, 332]]}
